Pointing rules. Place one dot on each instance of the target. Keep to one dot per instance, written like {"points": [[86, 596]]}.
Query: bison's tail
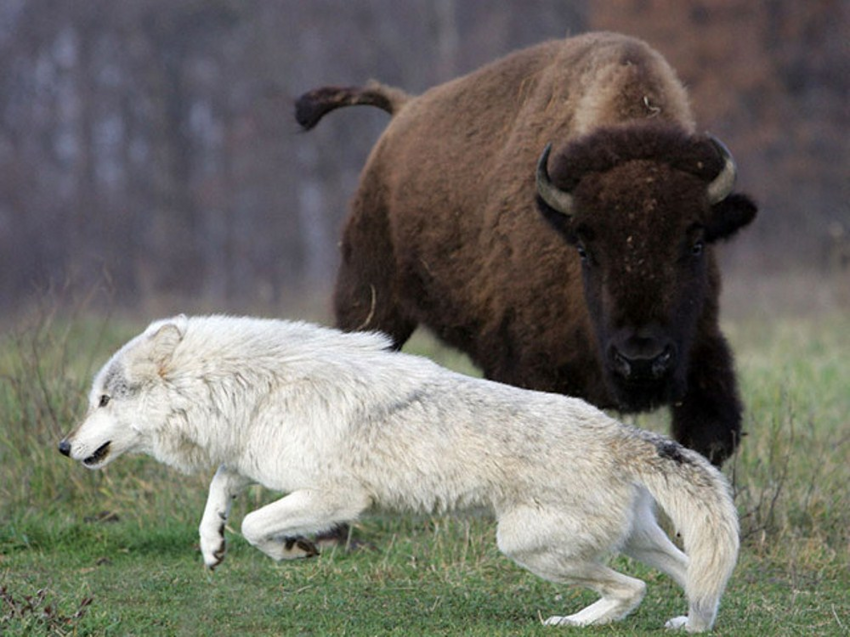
{"points": [[311, 107], [697, 498]]}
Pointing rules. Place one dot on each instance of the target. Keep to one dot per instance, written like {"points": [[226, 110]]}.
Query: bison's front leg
{"points": [[225, 486], [708, 420]]}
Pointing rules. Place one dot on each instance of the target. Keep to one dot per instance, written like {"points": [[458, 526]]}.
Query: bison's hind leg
{"points": [[360, 306], [367, 294]]}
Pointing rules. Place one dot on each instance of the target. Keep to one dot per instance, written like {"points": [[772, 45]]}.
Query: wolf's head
{"points": [[126, 405]]}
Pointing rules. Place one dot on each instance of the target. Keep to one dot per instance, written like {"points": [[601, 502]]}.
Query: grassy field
{"points": [[115, 552]]}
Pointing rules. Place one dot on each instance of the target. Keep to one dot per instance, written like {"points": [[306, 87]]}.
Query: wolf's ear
{"points": [[164, 341], [156, 347]]}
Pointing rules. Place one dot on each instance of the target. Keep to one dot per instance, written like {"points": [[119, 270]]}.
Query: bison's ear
{"points": [[558, 220], [729, 216]]}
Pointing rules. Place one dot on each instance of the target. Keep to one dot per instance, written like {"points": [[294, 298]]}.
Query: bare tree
{"points": [[151, 142]]}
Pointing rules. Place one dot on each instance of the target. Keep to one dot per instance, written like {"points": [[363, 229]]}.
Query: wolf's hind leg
{"points": [[648, 543], [276, 529], [225, 486], [553, 546], [620, 594]]}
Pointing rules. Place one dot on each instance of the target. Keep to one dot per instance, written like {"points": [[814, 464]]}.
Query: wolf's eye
{"points": [[104, 401]]}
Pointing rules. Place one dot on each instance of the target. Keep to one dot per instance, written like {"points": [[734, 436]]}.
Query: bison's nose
{"points": [[648, 361], [65, 448]]}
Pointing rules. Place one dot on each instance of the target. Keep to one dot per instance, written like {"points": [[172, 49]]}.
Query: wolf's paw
{"points": [[215, 557], [556, 620], [677, 623], [213, 547], [298, 548]]}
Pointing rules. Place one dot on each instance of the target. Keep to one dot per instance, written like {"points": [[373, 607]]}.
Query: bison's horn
{"points": [[556, 199], [722, 185]]}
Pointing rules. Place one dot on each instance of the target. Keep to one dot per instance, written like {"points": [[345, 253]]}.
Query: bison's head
{"points": [[643, 206]]}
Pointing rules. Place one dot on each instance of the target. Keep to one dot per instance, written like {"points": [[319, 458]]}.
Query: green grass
{"points": [[115, 552]]}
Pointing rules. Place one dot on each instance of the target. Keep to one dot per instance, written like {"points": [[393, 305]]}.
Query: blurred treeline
{"points": [[150, 144]]}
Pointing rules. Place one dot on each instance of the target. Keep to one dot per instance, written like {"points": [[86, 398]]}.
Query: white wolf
{"points": [[343, 425]]}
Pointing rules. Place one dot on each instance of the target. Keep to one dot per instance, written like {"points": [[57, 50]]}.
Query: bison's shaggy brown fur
{"points": [[613, 299]]}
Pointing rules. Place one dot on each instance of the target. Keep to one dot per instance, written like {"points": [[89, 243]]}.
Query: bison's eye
{"points": [[582, 252], [104, 401], [697, 248]]}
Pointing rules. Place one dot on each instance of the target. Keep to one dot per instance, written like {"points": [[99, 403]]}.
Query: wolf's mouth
{"points": [[100, 453]]}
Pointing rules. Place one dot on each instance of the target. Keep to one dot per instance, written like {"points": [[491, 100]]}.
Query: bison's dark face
{"points": [[642, 208]]}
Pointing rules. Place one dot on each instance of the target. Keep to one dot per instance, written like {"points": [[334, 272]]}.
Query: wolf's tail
{"points": [[697, 498], [312, 106]]}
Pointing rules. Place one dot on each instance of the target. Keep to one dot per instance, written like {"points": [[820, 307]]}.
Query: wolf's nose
{"points": [[65, 448]]}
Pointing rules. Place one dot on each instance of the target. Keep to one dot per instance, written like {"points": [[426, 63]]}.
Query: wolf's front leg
{"points": [[277, 528], [225, 486]]}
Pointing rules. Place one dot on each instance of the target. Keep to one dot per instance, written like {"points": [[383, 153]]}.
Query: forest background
{"points": [[150, 164], [148, 147]]}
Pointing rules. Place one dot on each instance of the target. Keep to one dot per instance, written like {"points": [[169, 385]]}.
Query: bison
{"points": [[553, 215]]}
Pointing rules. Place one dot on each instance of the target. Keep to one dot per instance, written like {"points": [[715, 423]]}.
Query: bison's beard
{"points": [[631, 396]]}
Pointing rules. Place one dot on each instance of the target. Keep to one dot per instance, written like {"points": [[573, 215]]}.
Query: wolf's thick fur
{"points": [[343, 425]]}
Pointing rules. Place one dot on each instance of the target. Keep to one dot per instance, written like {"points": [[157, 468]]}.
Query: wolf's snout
{"points": [[99, 455], [65, 448]]}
